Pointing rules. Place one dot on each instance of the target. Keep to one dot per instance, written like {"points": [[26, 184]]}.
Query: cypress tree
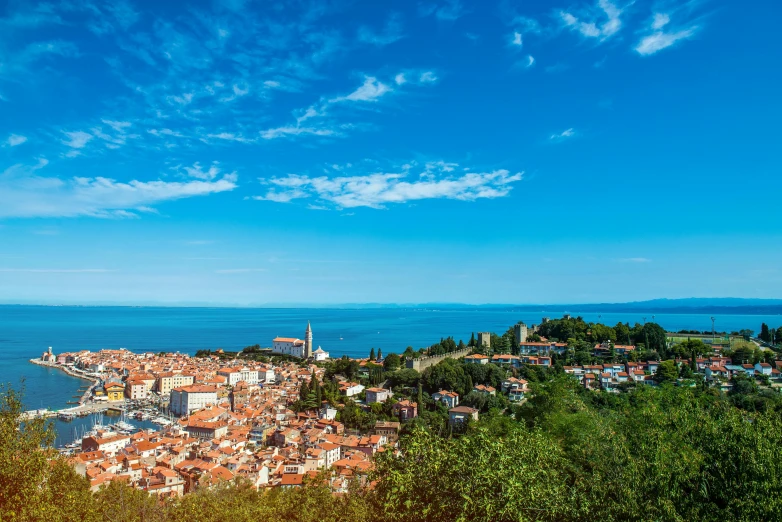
{"points": [[304, 391], [379, 353], [372, 354]]}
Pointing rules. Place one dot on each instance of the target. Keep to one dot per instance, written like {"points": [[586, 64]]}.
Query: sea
{"points": [[27, 331]]}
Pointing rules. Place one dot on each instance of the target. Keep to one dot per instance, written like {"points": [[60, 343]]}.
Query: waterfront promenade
{"points": [[83, 407]]}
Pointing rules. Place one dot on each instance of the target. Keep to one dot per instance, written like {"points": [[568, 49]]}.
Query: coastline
{"points": [[73, 373]]}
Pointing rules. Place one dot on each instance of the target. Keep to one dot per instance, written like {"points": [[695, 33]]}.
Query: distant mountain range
{"points": [[723, 305], [691, 305]]}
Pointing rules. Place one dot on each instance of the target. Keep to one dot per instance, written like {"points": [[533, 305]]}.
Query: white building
{"points": [[451, 399], [349, 389], [234, 375], [293, 346], [377, 395], [288, 346], [188, 399], [320, 354]]}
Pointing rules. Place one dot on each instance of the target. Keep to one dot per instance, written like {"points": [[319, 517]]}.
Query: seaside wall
{"points": [[423, 363]]}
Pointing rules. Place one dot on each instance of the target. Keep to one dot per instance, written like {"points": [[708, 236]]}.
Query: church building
{"points": [[294, 347]]}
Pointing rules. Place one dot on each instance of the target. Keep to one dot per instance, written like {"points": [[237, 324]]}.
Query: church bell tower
{"points": [[308, 342]]}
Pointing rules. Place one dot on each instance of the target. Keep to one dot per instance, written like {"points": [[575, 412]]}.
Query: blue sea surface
{"points": [[27, 331]]}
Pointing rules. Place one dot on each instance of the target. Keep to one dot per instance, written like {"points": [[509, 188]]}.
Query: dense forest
{"points": [[654, 453]]}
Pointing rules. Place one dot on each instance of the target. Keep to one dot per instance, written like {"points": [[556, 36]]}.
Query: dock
{"points": [[76, 411]]}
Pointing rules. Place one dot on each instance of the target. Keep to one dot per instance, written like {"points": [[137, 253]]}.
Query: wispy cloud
{"points": [[391, 33], [635, 260], [448, 10], [601, 21], [279, 132], [567, 133], [208, 174], [24, 194], [58, 270], [229, 136], [371, 90], [516, 39], [320, 119], [658, 38], [411, 182], [240, 270], [14, 140], [76, 140]]}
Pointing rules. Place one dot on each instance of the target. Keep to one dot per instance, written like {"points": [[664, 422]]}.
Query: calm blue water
{"points": [[26, 331]]}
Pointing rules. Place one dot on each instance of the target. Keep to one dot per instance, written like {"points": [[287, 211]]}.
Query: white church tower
{"points": [[307, 342]]}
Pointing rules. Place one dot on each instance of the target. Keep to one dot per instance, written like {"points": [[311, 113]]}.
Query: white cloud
{"points": [[567, 133], [24, 193], [279, 132], [197, 172], [635, 260], [240, 270], [660, 21], [165, 132], [517, 39], [118, 126], [15, 139], [229, 136], [601, 21], [530, 60], [450, 10], [371, 90], [390, 34], [77, 139], [658, 39], [427, 77], [375, 190], [58, 270]]}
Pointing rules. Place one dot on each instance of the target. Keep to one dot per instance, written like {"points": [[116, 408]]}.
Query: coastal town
{"points": [[277, 417]]}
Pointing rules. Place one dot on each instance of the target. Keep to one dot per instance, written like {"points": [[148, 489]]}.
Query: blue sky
{"points": [[247, 152]]}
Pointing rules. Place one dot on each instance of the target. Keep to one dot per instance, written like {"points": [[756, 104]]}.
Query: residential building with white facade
{"points": [[187, 399], [167, 381], [235, 375]]}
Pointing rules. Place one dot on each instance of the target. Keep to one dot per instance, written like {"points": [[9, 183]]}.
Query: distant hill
{"points": [[692, 305]]}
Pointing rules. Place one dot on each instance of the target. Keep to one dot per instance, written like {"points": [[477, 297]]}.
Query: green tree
{"points": [[304, 391], [380, 354], [405, 378], [36, 484], [372, 354], [667, 371], [764, 334], [392, 362]]}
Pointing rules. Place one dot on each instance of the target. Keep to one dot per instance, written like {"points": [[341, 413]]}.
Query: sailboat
{"points": [[122, 425]]}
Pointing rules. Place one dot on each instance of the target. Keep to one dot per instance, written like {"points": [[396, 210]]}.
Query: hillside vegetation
{"points": [[662, 453]]}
